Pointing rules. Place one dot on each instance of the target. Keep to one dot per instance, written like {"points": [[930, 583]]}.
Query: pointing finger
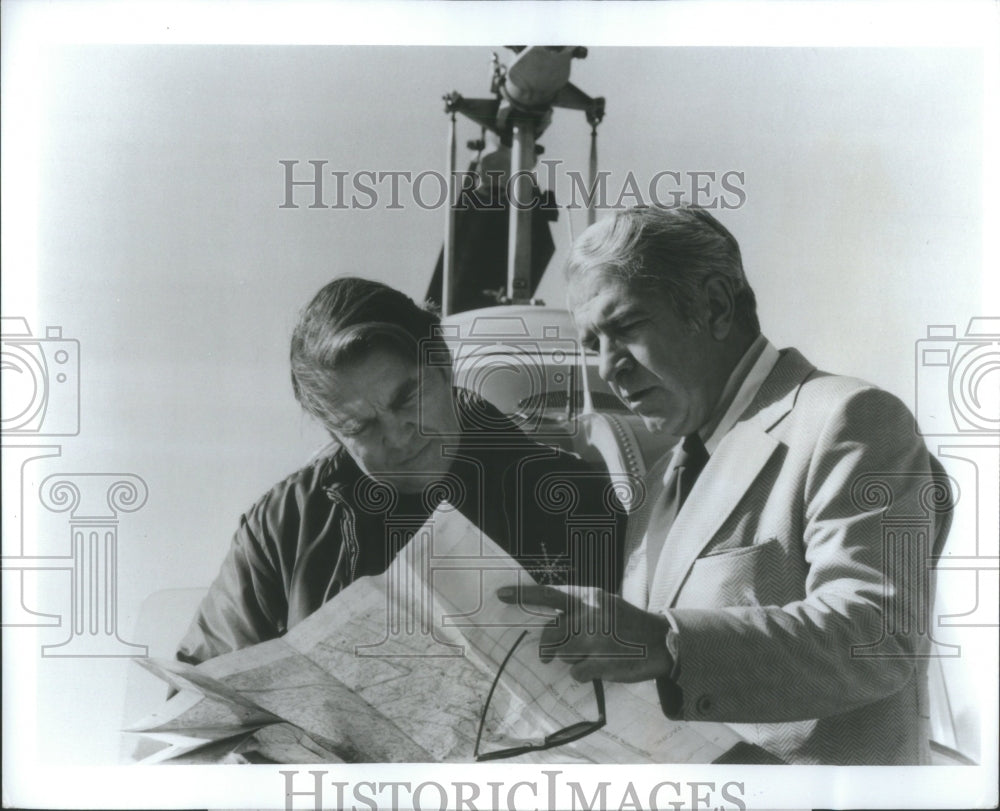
{"points": [[544, 596]]}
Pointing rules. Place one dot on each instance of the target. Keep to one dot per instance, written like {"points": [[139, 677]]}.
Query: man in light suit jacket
{"points": [[770, 581]]}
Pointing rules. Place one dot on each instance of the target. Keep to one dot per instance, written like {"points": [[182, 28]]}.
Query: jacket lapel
{"points": [[635, 577], [727, 477]]}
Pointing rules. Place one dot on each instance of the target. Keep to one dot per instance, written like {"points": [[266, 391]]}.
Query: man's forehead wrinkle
{"points": [[365, 404], [583, 318], [585, 287], [346, 402]]}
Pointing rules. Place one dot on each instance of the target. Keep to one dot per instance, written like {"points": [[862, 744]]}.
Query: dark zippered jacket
{"points": [[328, 524]]}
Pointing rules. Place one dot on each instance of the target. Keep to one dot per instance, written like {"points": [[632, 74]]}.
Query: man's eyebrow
{"points": [[617, 317], [630, 313], [350, 424]]}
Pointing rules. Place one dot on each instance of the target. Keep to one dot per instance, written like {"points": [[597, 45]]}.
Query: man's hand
{"points": [[602, 635]]}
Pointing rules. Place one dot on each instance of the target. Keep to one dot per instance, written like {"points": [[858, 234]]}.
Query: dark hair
{"points": [[670, 252], [347, 319]]}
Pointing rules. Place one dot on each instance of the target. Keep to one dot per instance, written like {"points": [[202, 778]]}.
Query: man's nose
{"points": [[613, 359], [400, 430]]}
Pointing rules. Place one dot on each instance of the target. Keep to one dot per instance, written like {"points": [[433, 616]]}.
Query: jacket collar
{"points": [[777, 394]]}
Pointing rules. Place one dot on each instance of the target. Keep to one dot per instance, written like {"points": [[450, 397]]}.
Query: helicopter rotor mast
{"points": [[524, 96]]}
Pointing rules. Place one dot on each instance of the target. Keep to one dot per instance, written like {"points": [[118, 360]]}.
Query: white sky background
{"points": [[141, 214]]}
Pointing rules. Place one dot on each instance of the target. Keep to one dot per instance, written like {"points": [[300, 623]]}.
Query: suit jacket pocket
{"points": [[760, 574]]}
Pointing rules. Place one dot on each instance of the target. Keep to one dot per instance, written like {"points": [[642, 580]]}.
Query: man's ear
{"points": [[721, 307]]}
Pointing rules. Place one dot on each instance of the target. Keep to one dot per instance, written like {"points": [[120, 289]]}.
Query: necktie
{"points": [[688, 464]]}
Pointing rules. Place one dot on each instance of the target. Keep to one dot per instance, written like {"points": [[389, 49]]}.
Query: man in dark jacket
{"points": [[404, 440]]}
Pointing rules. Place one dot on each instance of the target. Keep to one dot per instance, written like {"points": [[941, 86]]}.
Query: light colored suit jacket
{"points": [[796, 574]]}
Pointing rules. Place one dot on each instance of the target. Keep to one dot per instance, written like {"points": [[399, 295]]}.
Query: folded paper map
{"points": [[398, 668]]}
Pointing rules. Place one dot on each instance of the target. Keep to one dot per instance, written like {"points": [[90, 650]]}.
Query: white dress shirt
{"points": [[741, 387]]}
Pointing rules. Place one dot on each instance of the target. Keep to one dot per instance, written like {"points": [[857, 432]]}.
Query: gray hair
{"points": [[670, 252]]}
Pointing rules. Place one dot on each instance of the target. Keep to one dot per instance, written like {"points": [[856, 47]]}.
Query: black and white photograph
{"points": [[530, 405]]}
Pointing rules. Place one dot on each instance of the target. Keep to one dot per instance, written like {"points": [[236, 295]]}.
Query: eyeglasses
{"points": [[558, 738]]}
